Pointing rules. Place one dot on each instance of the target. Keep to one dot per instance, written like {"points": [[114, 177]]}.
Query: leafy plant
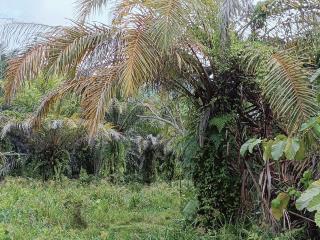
{"points": [[249, 145], [291, 148], [279, 204], [310, 200]]}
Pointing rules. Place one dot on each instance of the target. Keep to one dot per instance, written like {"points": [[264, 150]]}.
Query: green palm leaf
{"points": [[288, 90]]}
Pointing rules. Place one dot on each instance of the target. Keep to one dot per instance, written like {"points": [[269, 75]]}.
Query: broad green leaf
{"points": [[249, 145], [306, 197], [244, 149], [280, 137], [275, 203], [292, 147], [309, 124], [253, 144], [310, 200], [314, 203], [277, 149]]}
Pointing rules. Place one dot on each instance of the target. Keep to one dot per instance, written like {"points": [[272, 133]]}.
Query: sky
{"points": [[51, 12]]}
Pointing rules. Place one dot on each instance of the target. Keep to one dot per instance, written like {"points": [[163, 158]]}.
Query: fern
{"points": [[221, 121]]}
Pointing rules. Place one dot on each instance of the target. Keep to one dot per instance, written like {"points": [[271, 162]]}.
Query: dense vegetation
{"points": [[181, 119]]}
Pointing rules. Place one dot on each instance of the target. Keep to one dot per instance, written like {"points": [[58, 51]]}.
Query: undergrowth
{"points": [[69, 209]]}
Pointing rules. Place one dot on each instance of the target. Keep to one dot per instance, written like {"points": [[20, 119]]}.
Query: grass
{"points": [[31, 209], [72, 209]]}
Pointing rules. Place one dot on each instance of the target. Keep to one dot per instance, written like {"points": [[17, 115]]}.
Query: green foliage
{"points": [[212, 171], [260, 15], [221, 121], [50, 149], [279, 204], [115, 162], [3, 63], [27, 100], [278, 147], [31, 209], [290, 147], [310, 200], [306, 179], [249, 146], [190, 210], [193, 49], [67, 210]]}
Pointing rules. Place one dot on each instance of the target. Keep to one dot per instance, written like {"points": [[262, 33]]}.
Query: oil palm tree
{"points": [[186, 45]]}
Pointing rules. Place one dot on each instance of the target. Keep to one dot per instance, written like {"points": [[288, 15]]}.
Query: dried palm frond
{"points": [[144, 37], [169, 22], [10, 126], [125, 8], [74, 45], [49, 101], [140, 58], [95, 94], [25, 66], [20, 33], [130, 56], [64, 52]]}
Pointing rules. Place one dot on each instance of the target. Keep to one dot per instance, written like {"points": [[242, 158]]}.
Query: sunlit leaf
{"points": [[277, 149]]}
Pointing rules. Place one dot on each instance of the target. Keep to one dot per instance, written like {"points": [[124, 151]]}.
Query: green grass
{"points": [[31, 209]]}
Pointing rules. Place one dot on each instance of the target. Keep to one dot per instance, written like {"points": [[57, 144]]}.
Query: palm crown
{"points": [[177, 43]]}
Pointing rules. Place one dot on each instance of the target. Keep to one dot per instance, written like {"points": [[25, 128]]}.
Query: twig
{"points": [[298, 215]]}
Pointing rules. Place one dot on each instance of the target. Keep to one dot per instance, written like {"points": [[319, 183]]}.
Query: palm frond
{"points": [[315, 76], [10, 161], [86, 7], [20, 33], [169, 21], [69, 50], [288, 90], [10, 126], [25, 66], [95, 94], [49, 100], [140, 58], [125, 8], [64, 53], [229, 10]]}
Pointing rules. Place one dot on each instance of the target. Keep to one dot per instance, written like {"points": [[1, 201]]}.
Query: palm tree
{"points": [[186, 45]]}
